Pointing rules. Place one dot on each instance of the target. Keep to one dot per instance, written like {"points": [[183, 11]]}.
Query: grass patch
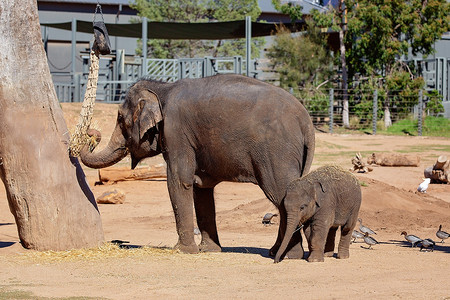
{"points": [[423, 148], [7, 294], [323, 157], [432, 126], [329, 145]]}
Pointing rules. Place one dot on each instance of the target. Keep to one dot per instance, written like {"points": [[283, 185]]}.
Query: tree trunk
{"points": [[345, 110], [47, 192], [387, 115]]}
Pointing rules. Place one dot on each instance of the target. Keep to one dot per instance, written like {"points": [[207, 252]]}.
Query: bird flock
{"points": [[426, 244], [366, 234]]}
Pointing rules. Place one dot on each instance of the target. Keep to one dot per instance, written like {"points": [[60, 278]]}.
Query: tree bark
{"points": [[52, 204]]}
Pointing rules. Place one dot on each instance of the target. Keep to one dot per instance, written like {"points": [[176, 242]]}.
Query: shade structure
{"points": [[184, 31]]}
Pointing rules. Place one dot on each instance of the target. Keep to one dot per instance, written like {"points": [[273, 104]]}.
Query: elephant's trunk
{"points": [[114, 152], [291, 226]]}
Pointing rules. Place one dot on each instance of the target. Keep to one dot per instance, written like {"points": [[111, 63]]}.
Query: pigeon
{"points": [[357, 235], [365, 229], [424, 185], [427, 243], [442, 234], [411, 238], [268, 218], [369, 240]]}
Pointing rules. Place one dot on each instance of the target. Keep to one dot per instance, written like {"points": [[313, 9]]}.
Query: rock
{"points": [[394, 160], [114, 196]]}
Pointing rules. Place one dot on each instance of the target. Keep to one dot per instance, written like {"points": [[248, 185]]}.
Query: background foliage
{"points": [[379, 35]]}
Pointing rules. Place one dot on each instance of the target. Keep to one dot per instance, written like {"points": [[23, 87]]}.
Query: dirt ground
{"points": [[392, 269]]}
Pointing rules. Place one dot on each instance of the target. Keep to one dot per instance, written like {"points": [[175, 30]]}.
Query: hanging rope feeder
{"points": [[101, 46]]}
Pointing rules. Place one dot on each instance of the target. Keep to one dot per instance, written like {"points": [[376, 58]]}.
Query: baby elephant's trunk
{"points": [[291, 227]]}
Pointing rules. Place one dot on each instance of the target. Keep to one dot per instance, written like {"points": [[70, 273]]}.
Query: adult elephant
{"points": [[209, 130]]}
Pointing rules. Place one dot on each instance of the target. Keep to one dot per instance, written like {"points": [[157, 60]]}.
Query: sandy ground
{"points": [[392, 269]]}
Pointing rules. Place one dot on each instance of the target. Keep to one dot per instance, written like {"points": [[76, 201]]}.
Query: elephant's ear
{"points": [[148, 112], [319, 190]]}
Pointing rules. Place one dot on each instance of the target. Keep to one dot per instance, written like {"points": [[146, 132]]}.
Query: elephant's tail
{"points": [[308, 153]]}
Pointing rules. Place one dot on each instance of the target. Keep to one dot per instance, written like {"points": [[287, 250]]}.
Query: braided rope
{"points": [[79, 138]]}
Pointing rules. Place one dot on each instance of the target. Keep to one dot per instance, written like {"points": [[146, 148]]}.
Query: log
{"points": [[113, 174], [358, 165], [440, 163], [394, 160], [114, 196], [440, 171]]}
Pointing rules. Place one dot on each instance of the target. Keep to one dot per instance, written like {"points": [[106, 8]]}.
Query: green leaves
{"points": [[292, 10], [301, 59], [195, 11], [381, 31]]}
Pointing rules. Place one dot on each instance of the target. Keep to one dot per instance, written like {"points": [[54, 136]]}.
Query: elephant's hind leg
{"points": [[206, 219], [329, 245], [344, 242]]}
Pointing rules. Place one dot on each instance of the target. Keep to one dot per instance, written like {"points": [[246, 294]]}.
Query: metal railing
{"points": [[115, 79], [370, 111]]}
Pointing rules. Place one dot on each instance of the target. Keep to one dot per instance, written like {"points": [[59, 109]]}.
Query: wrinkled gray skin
{"points": [[322, 201], [209, 130]]}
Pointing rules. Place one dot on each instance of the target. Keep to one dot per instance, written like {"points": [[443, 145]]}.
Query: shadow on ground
{"points": [[6, 244]]}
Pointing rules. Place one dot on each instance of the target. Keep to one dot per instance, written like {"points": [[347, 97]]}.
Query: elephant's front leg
{"points": [[206, 219], [316, 243], [181, 196]]}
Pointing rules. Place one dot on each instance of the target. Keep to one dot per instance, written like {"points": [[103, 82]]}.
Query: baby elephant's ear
{"points": [[148, 112], [320, 191]]}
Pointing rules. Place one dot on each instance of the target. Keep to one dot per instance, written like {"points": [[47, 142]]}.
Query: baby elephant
{"points": [[320, 202]]}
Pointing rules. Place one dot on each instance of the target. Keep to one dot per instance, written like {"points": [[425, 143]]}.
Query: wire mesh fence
{"points": [[372, 111]]}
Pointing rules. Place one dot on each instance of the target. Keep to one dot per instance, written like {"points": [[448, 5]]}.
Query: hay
{"points": [[105, 251], [79, 138], [330, 173]]}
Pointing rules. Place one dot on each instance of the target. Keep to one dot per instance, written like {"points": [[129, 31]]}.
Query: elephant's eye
{"points": [[303, 207]]}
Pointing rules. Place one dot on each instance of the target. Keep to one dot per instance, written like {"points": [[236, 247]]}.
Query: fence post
{"points": [[74, 47], [248, 44], [420, 114], [144, 46], [77, 87], [330, 110], [375, 112]]}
